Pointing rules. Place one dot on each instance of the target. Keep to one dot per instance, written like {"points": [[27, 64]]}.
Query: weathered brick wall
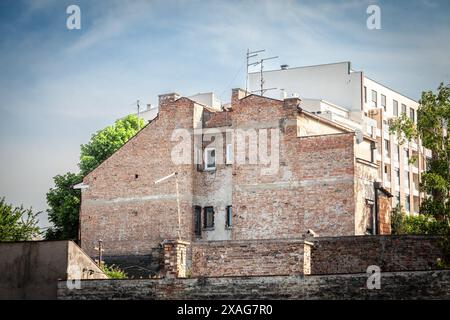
{"points": [[391, 253], [385, 209], [313, 187], [245, 258], [398, 285], [123, 206]]}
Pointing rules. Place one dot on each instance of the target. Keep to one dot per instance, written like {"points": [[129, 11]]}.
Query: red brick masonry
{"points": [[256, 257]]}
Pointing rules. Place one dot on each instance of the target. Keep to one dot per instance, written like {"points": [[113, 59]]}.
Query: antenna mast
{"points": [[251, 54], [261, 62], [138, 114]]}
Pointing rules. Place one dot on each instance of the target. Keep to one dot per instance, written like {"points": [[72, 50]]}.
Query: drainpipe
{"points": [[377, 186]]}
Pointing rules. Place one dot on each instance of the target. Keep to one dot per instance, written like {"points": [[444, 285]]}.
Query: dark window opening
{"points": [[208, 217], [229, 217], [198, 220], [373, 147], [136, 176], [370, 217]]}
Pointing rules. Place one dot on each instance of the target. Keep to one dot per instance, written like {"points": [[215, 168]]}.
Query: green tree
{"points": [[107, 141], [397, 220], [17, 223], [63, 201], [433, 117]]}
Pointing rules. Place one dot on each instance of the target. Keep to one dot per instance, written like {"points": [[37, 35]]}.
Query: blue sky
{"points": [[58, 86]]}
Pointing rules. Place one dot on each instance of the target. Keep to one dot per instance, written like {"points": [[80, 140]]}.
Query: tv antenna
{"points": [[251, 54], [138, 113], [261, 63]]}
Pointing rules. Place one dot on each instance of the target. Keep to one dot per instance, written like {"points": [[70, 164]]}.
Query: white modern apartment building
{"points": [[339, 93]]}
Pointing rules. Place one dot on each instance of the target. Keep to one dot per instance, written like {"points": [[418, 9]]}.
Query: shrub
{"points": [[419, 224], [113, 272]]}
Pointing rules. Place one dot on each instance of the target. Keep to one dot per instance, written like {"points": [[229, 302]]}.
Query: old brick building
{"points": [[258, 168]]}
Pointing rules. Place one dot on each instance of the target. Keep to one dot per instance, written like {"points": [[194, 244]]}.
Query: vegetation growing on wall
{"points": [[113, 272]]}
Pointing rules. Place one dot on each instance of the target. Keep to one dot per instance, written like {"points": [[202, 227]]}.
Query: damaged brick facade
{"points": [[321, 179]]}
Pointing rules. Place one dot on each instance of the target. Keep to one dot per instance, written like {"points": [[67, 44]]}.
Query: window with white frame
{"points": [[374, 98], [383, 102], [229, 154], [210, 159], [395, 107]]}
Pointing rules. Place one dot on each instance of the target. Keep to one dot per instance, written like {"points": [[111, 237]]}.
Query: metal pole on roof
{"points": [[138, 114], [262, 76], [250, 54]]}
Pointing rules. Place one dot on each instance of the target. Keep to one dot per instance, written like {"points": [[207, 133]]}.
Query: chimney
{"points": [[237, 94], [292, 102], [167, 98]]}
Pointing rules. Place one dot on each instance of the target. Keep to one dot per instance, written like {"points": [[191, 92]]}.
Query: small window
{"points": [[229, 158], [198, 220], [208, 217], [395, 108], [383, 102], [365, 94], [369, 213], [210, 159], [374, 98], [387, 148], [229, 217], [412, 114], [403, 108], [373, 147], [407, 203]]}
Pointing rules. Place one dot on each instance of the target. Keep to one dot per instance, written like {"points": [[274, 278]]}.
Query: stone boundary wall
{"points": [[250, 258], [396, 285], [353, 254]]}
